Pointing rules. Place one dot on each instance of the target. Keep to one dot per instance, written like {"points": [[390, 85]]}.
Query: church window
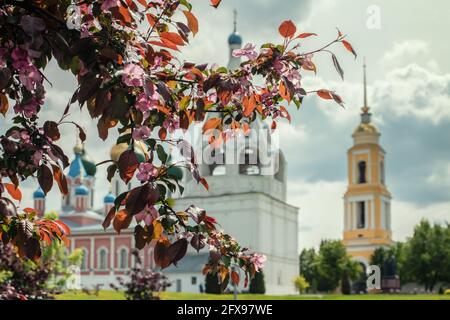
{"points": [[382, 177], [193, 280], [217, 168], [84, 261], [178, 285], [249, 164], [102, 259], [151, 258], [123, 258], [361, 215], [362, 172]]}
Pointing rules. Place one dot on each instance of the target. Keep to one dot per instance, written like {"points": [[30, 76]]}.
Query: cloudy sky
{"points": [[406, 49]]}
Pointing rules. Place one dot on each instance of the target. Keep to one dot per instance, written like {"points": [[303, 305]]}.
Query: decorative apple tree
{"points": [[122, 55]]}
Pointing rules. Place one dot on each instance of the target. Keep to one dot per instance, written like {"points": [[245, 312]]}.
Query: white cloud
{"points": [[403, 52]]}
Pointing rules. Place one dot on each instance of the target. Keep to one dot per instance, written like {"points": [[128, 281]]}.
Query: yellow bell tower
{"points": [[367, 201]]}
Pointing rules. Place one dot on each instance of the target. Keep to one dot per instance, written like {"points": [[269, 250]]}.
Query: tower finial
{"points": [[78, 149], [365, 84], [365, 116], [234, 20]]}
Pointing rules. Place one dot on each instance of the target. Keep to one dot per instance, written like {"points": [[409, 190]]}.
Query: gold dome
{"points": [[366, 128]]}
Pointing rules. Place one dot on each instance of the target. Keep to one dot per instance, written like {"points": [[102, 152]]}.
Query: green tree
{"points": [[257, 284], [428, 254], [332, 264], [308, 267], [301, 284]]}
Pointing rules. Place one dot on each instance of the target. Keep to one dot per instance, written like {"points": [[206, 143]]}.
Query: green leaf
{"points": [[162, 155]]}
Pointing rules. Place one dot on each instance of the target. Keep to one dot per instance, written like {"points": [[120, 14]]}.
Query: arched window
{"points": [[362, 172], [361, 215], [217, 167], [84, 261], [123, 258], [382, 177], [249, 163], [102, 259]]}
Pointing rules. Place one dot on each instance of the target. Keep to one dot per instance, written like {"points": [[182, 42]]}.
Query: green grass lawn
{"points": [[113, 295]]}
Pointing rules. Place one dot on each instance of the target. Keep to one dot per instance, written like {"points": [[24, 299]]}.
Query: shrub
{"points": [[144, 284]]}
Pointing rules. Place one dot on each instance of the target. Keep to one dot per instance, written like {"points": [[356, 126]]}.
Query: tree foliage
{"points": [[122, 56], [301, 284], [257, 284], [427, 254], [327, 268]]}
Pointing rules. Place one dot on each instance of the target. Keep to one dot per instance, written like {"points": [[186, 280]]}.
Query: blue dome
{"points": [[234, 38], [81, 190], [39, 194], [109, 198], [76, 168]]}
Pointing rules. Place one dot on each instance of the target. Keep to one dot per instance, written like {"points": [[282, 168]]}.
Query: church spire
{"points": [[365, 115], [234, 20]]}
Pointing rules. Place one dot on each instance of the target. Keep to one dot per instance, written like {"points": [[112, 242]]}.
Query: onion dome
{"points": [[81, 190], [88, 164], [109, 198], [76, 168], [39, 194], [234, 38]]}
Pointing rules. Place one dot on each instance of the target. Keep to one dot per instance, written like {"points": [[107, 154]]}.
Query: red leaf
{"points": [[122, 220], [4, 104], [162, 133], [128, 163], [211, 124], [160, 253], [287, 29], [349, 47], [13, 191], [173, 37], [284, 92], [177, 250], [142, 2], [192, 22], [107, 222], [306, 35], [60, 178], [324, 94], [215, 3], [249, 104], [234, 278], [138, 198], [45, 178]]}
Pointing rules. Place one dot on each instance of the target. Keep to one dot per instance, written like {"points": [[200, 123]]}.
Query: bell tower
{"points": [[367, 201]]}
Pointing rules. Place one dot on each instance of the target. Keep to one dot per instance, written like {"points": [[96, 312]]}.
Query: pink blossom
{"points": [[29, 76], [247, 51], [108, 4], [258, 261], [20, 58], [147, 215], [28, 109], [146, 103], [147, 171], [171, 124], [133, 75], [141, 133]]}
